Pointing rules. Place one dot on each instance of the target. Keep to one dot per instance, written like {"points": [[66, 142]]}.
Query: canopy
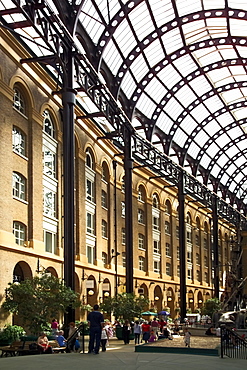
{"points": [[165, 313], [149, 313]]}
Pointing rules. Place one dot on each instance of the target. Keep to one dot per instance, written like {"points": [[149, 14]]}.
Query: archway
{"points": [[170, 301], [191, 302], [157, 299]]}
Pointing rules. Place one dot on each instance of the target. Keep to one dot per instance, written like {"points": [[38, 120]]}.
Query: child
{"points": [[187, 336], [152, 337], [60, 339], [104, 337]]}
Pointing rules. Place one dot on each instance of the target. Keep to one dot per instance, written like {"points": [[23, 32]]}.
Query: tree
{"points": [[125, 306], [211, 306], [37, 300]]}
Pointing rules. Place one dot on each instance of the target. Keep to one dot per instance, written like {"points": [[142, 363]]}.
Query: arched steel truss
{"points": [[54, 46]]}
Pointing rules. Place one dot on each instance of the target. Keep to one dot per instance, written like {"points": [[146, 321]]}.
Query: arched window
{"points": [[141, 242], [18, 101], [19, 231], [104, 229], [19, 186], [105, 172], [48, 125], [18, 141], [142, 263], [155, 201], [89, 160], [141, 194]]}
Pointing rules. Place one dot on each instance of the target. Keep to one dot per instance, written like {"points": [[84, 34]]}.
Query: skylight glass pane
{"points": [[124, 38], [199, 113], [146, 105], [162, 10], [128, 85], [139, 68], [164, 123], [193, 150], [173, 108], [185, 95], [237, 4], [215, 170], [213, 104], [185, 7], [213, 149], [212, 4], [112, 57], [188, 124], [242, 51], [154, 53], [141, 21], [180, 137], [241, 160], [212, 127], [201, 138], [222, 140], [156, 90], [235, 132], [225, 119], [240, 113], [200, 85], [222, 160], [169, 76], [231, 169], [185, 65], [205, 160], [224, 179], [172, 41], [238, 27]]}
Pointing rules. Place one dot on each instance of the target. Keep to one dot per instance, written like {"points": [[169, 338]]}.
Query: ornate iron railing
{"points": [[232, 344]]}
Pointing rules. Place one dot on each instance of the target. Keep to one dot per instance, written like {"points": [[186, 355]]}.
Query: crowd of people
{"points": [[101, 330]]}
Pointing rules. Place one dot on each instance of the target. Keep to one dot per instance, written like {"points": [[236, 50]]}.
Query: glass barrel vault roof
{"points": [[181, 67]]}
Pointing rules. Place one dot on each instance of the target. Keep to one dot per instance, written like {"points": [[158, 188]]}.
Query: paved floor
{"points": [[119, 357]]}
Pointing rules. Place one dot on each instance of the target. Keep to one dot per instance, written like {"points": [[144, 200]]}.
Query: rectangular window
{"points": [[90, 254], [177, 232], [123, 236], [50, 241], [189, 256], [168, 250], [157, 266], [90, 223], [189, 274], [142, 264], [18, 141], [167, 228], [141, 242], [140, 216], [124, 259], [197, 240], [178, 253], [90, 190], [49, 203], [156, 223], [19, 186], [49, 162], [168, 269], [156, 246], [198, 259], [122, 209], [19, 231], [103, 199], [104, 228]]}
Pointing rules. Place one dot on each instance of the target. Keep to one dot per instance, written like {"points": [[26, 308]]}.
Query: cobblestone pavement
{"points": [[120, 357]]}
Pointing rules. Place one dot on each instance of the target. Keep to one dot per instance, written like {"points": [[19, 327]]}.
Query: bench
{"points": [[12, 349], [25, 350], [55, 346]]}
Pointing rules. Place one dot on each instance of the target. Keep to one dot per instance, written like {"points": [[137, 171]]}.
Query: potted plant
{"points": [[10, 333]]}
